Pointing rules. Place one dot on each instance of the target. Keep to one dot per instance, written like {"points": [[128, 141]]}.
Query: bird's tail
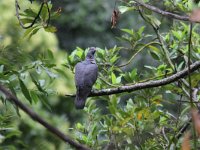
{"points": [[80, 102]]}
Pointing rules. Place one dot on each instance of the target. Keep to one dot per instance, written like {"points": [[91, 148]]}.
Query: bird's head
{"points": [[90, 54]]}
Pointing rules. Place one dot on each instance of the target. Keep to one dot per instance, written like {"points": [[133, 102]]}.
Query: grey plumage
{"points": [[85, 76]]}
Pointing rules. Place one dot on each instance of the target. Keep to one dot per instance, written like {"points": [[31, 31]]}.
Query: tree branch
{"points": [[36, 17], [162, 12], [145, 85], [37, 118]]}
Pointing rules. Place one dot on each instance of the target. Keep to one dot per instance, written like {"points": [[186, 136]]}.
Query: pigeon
{"points": [[86, 73]]}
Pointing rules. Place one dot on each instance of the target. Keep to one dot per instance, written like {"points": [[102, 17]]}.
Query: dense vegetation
{"points": [[148, 80]]}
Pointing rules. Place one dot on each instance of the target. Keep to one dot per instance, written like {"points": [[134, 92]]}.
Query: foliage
{"points": [[41, 75]]}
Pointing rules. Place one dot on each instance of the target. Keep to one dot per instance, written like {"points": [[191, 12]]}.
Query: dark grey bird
{"points": [[86, 73]]}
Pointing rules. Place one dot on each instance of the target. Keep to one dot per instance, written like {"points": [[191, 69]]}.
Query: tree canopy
{"points": [[147, 92]]}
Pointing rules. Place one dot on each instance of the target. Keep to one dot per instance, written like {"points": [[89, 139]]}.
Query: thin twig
{"points": [[40, 120], [160, 39], [189, 80], [164, 135], [188, 63], [127, 63]]}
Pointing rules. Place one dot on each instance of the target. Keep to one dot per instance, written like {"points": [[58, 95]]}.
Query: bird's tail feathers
{"points": [[80, 102]]}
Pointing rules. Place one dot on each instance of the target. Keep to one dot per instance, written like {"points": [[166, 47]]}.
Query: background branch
{"points": [[162, 12], [37, 118]]}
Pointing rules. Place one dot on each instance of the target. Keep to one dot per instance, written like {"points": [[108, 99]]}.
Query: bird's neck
{"points": [[91, 60]]}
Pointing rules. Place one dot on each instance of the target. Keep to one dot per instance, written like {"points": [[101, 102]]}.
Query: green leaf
{"points": [[154, 21], [178, 34], [79, 53], [44, 13], [114, 59], [37, 84], [123, 9], [1, 68], [80, 127], [30, 13], [127, 77], [51, 29], [50, 73], [113, 77], [50, 54], [31, 31], [133, 74], [27, 20], [154, 55], [153, 48], [195, 79], [34, 96], [131, 32], [141, 30], [45, 102], [118, 80], [25, 91]]}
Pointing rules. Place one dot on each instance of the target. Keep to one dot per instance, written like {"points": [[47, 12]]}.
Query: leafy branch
{"points": [[162, 12], [17, 7], [40, 120]]}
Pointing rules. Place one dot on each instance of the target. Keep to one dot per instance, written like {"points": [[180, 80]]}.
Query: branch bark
{"points": [[37, 118], [145, 85], [162, 12]]}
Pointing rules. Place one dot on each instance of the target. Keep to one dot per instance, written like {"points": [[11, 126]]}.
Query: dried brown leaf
{"points": [[59, 10], [114, 18]]}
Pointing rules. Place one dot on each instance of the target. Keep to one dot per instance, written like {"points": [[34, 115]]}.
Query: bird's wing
{"points": [[79, 68], [85, 74], [91, 73]]}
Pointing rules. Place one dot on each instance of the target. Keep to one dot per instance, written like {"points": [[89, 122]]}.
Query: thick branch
{"points": [[162, 12], [149, 84], [37, 118]]}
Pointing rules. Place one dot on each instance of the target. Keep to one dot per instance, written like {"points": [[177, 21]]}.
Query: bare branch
{"points": [[145, 85], [162, 12], [149, 84], [40, 120]]}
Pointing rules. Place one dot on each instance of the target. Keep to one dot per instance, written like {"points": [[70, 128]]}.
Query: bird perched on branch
{"points": [[85, 76]]}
